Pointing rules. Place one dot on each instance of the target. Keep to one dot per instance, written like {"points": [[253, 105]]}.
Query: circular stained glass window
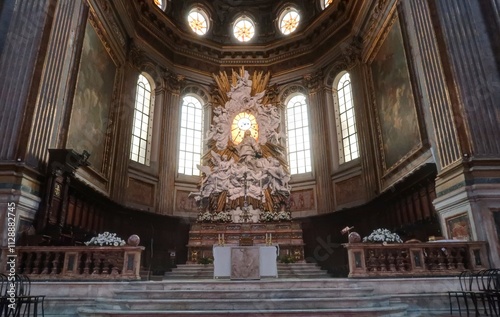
{"points": [[198, 21], [289, 21], [244, 29]]}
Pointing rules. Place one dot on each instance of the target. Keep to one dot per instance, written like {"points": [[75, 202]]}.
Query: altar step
{"points": [[273, 298], [285, 270]]}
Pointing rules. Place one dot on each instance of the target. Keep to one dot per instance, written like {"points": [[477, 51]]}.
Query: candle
{"points": [[270, 238], [218, 235]]}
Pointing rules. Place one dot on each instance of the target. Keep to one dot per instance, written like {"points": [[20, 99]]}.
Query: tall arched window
{"points": [[191, 139], [346, 118], [299, 145], [140, 149]]}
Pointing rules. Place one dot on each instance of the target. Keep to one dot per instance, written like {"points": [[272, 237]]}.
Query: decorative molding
{"points": [[348, 191], [180, 42], [111, 19], [99, 29], [140, 192], [314, 81]]}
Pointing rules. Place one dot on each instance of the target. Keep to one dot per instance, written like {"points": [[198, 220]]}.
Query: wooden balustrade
{"points": [[78, 263], [415, 259]]}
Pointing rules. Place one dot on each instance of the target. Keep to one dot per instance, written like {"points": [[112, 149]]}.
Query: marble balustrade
{"points": [[416, 259], [75, 262]]}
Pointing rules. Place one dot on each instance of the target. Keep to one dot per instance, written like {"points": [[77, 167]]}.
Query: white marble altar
{"points": [[241, 262]]}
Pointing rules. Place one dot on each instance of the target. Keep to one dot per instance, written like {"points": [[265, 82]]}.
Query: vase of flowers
{"points": [[106, 239], [383, 235]]}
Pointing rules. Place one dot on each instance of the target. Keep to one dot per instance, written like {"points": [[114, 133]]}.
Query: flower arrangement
{"points": [[267, 216], [106, 239], [223, 216], [205, 217], [382, 235]]}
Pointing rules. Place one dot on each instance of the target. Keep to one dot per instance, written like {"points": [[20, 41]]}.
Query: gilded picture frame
{"points": [[397, 119], [458, 227], [90, 118]]}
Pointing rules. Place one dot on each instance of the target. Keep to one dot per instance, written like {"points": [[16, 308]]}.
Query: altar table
{"points": [[245, 262]]}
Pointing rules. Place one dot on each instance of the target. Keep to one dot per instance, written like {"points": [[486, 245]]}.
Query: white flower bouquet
{"points": [[106, 239], [205, 217], [223, 216], [268, 216], [283, 215], [382, 235]]}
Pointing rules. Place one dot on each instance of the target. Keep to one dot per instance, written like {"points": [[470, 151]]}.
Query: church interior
{"points": [[306, 124]]}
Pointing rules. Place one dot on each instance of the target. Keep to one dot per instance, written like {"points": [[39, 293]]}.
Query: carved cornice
{"points": [[189, 46], [102, 36], [111, 19]]}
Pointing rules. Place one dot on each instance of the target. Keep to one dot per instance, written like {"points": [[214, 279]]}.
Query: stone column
{"points": [[123, 115], [453, 45], [319, 141], [52, 104], [36, 50], [169, 144]]}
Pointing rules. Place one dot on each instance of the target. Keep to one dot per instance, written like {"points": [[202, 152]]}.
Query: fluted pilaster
{"points": [[18, 63], [168, 144], [474, 70], [437, 104], [123, 115], [319, 131], [53, 100]]}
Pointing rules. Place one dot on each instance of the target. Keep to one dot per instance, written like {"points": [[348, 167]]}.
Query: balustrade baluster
{"points": [[105, 263], [55, 264], [45, 259], [392, 262], [381, 259], [30, 260], [400, 261], [87, 263], [36, 263]]}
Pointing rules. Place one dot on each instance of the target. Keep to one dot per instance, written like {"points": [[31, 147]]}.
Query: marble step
{"points": [[285, 270], [280, 303], [398, 310], [213, 284], [239, 294]]}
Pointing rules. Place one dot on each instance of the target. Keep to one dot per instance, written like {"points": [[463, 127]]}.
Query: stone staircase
{"points": [[409, 297], [288, 270], [270, 297]]}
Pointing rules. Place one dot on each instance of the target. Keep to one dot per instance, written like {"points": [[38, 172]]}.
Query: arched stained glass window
{"points": [[299, 145], [142, 123], [346, 129], [191, 135]]}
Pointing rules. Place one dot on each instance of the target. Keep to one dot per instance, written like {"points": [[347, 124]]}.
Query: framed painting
{"points": [[458, 227], [93, 98], [394, 98]]}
